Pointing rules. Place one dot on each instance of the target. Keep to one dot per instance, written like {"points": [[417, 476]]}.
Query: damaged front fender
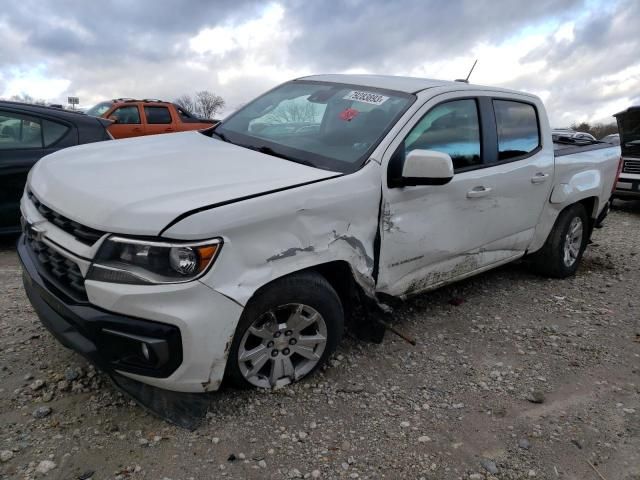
{"points": [[274, 235]]}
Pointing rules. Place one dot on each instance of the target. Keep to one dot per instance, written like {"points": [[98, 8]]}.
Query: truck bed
{"points": [[562, 148]]}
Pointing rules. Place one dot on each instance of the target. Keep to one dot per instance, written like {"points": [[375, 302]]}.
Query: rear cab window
{"points": [[518, 129], [186, 116], [157, 115], [52, 132]]}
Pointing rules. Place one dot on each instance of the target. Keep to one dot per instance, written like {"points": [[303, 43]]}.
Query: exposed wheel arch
{"points": [[360, 307]]}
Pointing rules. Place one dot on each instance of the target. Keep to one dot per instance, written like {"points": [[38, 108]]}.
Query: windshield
{"points": [[629, 124], [99, 109], [325, 125]]}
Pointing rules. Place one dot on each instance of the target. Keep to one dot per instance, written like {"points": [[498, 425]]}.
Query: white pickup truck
{"points": [[237, 252]]}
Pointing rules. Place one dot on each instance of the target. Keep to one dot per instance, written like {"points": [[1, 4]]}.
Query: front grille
{"points": [[86, 235], [64, 272], [631, 166]]}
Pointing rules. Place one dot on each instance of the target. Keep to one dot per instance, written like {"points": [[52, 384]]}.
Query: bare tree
{"points": [[186, 103], [203, 104], [26, 98], [208, 103]]}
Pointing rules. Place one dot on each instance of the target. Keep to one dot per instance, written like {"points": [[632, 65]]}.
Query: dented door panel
{"points": [[433, 235]]}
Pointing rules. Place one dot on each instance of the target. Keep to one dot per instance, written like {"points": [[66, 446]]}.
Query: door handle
{"points": [[137, 129], [539, 177], [478, 192], [168, 129]]}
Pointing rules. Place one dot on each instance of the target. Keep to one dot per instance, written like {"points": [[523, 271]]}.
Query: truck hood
{"points": [[139, 185]]}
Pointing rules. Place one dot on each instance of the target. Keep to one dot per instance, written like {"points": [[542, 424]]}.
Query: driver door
{"points": [[433, 234]]}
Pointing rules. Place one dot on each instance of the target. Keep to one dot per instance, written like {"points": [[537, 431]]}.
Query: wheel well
{"points": [[360, 310], [590, 206], [340, 276]]}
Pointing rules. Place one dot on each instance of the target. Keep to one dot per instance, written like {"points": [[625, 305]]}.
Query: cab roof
{"points": [[400, 84], [74, 116]]}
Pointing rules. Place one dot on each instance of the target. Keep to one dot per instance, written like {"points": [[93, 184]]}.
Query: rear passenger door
{"points": [[522, 173], [158, 119]]}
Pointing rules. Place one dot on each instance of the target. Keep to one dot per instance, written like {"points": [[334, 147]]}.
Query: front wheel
{"points": [[287, 331], [561, 254]]}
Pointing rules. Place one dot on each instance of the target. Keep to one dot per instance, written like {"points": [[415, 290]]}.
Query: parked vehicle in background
{"points": [[27, 133], [135, 118], [583, 136], [628, 186], [613, 139], [568, 133], [238, 251]]}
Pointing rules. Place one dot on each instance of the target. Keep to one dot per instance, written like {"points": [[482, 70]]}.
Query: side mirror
{"points": [[427, 167], [113, 119]]}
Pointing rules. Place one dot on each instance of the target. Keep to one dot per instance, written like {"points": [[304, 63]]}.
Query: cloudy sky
{"points": [[581, 57]]}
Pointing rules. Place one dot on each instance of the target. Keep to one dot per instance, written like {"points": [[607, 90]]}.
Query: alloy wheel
{"points": [[573, 242], [282, 345]]}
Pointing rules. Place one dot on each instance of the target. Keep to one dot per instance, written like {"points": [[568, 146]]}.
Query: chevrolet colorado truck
{"points": [[238, 252]]}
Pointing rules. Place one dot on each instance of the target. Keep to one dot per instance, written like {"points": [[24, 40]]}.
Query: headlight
{"points": [[128, 260]]}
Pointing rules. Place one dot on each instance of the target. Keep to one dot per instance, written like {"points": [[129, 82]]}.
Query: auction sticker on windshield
{"points": [[366, 97]]}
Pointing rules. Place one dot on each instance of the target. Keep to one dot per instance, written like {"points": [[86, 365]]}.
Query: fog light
{"points": [[145, 352]]}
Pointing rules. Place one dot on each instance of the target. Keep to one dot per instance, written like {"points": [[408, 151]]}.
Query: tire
{"points": [[556, 258], [285, 321]]}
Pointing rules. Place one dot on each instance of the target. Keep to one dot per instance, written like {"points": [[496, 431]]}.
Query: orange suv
{"points": [[133, 118]]}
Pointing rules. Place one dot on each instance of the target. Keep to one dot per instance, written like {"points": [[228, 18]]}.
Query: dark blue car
{"points": [[28, 133]]}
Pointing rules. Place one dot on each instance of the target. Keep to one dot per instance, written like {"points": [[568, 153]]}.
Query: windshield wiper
{"points": [[221, 136], [273, 153]]}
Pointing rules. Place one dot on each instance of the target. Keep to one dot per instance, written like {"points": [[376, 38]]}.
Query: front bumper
{"points": [[112, 342], [187, 328]]}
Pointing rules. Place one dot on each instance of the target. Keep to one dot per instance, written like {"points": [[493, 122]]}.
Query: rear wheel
{"points": [[561, 254], [286, 332]]}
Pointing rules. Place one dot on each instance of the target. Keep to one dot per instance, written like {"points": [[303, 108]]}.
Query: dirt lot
{"points": [[514, 376]]}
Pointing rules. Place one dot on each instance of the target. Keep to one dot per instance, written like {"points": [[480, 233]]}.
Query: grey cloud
{"points": [[401, 33], [604, 44], [131, 48], [142, 28]]}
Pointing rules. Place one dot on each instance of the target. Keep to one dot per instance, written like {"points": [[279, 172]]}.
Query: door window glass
{"points": [[518, 132], [126, 115], [157, 115], [452, 128], [19, 131], [52, 132]]}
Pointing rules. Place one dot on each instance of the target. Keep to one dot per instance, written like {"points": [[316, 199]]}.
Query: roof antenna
{"points": [[466, 80]]}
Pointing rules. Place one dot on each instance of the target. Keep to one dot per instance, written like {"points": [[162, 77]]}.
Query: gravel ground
{"points": [[514, 376]]}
